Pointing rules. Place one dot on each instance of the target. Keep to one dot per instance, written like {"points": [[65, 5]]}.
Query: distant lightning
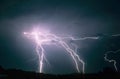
{"points": [[106, 54], [111, 60], [47, 38]]}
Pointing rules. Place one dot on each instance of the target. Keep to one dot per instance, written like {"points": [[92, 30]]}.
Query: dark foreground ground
{"points": [[19, 74]]}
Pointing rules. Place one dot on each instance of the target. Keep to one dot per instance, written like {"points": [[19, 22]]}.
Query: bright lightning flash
{"points": [[47, 38]]}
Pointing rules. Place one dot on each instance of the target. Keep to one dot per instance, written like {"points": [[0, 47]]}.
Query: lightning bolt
{"points": [[47, 38], [106, 54], [111, 60]]}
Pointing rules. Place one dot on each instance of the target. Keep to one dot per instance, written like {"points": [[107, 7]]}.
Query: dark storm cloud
{"points": [[64, 17], [81, 16]]}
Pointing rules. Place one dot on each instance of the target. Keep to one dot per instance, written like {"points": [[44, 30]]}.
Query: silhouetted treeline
{"points": [[106, 73]]}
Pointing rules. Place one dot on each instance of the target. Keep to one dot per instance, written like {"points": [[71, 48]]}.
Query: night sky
{"points": [[78, 18]]}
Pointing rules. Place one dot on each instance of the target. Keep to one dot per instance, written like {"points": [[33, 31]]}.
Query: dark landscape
{"points": [[106, 73]]}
